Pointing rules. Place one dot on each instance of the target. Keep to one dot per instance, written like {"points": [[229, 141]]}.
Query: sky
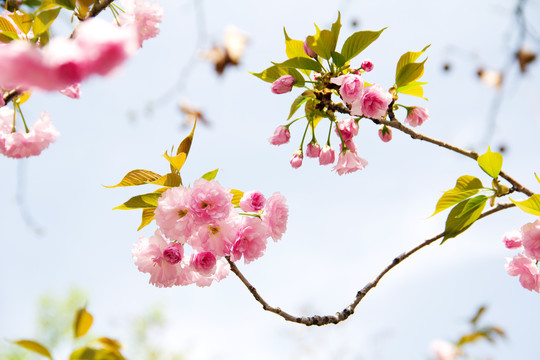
{"points": [[59, 231]]}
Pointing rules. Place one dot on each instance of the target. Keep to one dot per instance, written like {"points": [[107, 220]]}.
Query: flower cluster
{"points": [[205, 218], [525, 264]]}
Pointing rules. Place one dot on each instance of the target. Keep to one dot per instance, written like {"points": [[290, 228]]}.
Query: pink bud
{"points": [[385, 133], [512, 239], [416, 116], [281, 136], [204, 263], [367, 65], [173, 253], [313, 150], [252, 201], [283, 84], [327, 155], [296, 159], [348, 128], [308, 50]]}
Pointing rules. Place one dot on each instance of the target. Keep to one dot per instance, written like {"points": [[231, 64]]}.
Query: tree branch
{"points": [[99, 7], [349, 310]]}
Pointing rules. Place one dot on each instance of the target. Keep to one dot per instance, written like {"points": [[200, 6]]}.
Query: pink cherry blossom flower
{"points": [[512, 239], [385, 133], [313, 150], [210, 202], [367, 65], [148, 257], [348, 128], [308, 50], [351, 87], [216, 237], [526, 269], [444, 350], [283, 85], [73, 91], [221, 272], [416, 116], [327, 155], [281, 136], [375, 102], [531, 239], [250, 240], [275, 216], [142, 15], [21, 144], [349, 162], [296, 159], [173, 253], [2, 102], [252, 201], [204, 263], [173, 215]]}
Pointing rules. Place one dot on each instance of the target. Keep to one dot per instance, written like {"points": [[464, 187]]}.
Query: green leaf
{"points": [[407, 58], [23, 21], [237, 196], [463, 215], [89, 353], [44, 20], [176, 161], [82, 323], [479, 313], [66, 4], [323, 43], [410, 73], [294, 48], [537, 178], [7, 36], [147, 217], [34, 346], [338, 59], [296, 104], [211, 175], [336, 27], [7, 26], [358, 42], [149, 200], [301, 63], [170, 180], [466, 186], [137, 177], [491, 163], [275, 72], [530, 206], [413, 88]]}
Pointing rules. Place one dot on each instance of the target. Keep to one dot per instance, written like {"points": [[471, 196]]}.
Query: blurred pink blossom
{"points": [[73, 91], [512, 239], [21, 144], [142, 15], [444, 350]]}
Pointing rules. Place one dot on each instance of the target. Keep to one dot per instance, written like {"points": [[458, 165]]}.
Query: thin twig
{"points": [[99, 7], [349, 310]]}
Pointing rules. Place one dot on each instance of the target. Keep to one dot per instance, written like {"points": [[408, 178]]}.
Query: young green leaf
{"points": [[530, 206], [296, 104], [34, 346], [147, 217], [170, 180], [338, 59], [336, 27], [137, 177], [90, 353], [275, 72], [491, 163], [176, 161], [358, 42], [44, 19], [7, 36], [323, 43], [294, 48], [409, 73], [301, 63], [537, 178], [413, 88], [66, 4], [149, 200], [466, 186], [463, 215], [408, 58], [211, 175], [237, 196], [23, 21], [82, 323], [6, 26]]}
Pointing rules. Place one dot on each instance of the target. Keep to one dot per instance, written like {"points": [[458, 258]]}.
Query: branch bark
{"points": [[349, 310]]}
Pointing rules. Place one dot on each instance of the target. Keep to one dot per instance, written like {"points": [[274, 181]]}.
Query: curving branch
{"points": [[99, 7], [349, 310]]}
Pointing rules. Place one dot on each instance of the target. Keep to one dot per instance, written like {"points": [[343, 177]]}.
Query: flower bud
{"points": [[283, 85], [385, 133], [416, 116], [296, 159], [367, 65], [281, 136], [327, 155], [313, 150], [308, 50]]}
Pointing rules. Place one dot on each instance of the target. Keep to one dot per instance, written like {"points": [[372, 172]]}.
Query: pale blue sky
{"points": [[342, 230]]}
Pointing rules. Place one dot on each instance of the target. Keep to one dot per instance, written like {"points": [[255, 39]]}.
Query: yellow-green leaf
{"points": [[176, 161], [170, 180], [302, 63], [82, 323], [143, 201], [211, 175], [23, 21], [358, 42], [530, 206], [413, 88], [109, 343], [296, 104], [7, 26], [89, 353], [537, 178], [409, 73], [185, 145], [275, 72], [44, 19], [466, 186], [34, 346], [237, 196], [137, 177], [336, 27], [322, 43], [463, 215], [294, 48], [147, 217], [491, 163], [407, 58]]}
